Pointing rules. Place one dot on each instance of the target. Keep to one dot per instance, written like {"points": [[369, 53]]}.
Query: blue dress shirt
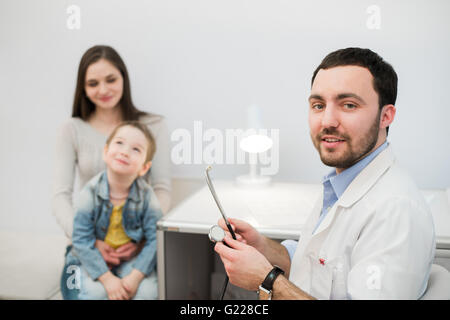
{"points": [[334, 186]]}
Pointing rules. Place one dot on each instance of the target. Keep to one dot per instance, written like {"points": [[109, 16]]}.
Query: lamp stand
{"points": [[253, 178]]}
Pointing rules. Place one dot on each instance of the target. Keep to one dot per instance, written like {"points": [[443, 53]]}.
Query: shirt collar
{"points": [[341, 181], [103, 189]]}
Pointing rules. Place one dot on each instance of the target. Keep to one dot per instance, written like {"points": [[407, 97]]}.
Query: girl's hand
{"points": [[131, 282], [113, 286]]}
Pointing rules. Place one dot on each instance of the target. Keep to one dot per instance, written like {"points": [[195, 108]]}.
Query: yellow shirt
{"points": [[116, 235]]}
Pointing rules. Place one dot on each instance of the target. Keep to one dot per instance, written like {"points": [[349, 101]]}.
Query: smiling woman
{"points": [[104, 84], [102, 74], [102, 101]]}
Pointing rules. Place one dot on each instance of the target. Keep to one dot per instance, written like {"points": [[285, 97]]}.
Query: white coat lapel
{"points": [[360, 185], [327, 220], [367, 178], [314, 216]]}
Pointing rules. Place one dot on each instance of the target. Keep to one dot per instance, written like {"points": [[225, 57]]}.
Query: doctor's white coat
{"points": [[376, 242]]}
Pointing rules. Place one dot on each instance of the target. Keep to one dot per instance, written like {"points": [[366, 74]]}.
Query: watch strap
{"points": [[270, 278]]}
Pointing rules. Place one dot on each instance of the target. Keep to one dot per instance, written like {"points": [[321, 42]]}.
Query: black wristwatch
{"points": [[265, 289]]}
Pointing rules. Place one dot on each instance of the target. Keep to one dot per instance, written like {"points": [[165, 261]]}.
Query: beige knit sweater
{"points": [[79, 148]]}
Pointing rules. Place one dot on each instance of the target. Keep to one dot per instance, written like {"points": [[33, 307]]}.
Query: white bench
{"points": [[31, 263]]}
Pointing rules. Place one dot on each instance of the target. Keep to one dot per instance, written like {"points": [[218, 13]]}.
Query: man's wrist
{"points": [[261, 244], [266, 287]]}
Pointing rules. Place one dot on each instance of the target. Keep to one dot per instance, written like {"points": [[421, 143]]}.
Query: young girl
{"points": [[118, 207]]}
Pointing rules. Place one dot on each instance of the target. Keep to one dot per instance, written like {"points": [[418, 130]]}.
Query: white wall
{"points": [[208, 60]]}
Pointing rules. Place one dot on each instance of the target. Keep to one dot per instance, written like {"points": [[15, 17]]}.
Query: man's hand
{"points": [[245, 266], [244, 233], [113, 286], [274, 252]]}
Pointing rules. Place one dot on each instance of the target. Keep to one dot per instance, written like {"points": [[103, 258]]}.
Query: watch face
{"points": [[216, 234]]}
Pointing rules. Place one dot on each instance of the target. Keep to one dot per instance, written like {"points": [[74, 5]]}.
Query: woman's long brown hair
{"points": [[82, 106]]}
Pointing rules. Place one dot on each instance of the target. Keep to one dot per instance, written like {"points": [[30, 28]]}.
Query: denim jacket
{"points": [[93, 210]]}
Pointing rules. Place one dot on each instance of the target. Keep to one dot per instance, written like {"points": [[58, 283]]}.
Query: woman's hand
{"points": [[115, 257], [127, 251], [107, 253]]}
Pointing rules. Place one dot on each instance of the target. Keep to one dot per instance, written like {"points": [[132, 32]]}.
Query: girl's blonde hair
{"points": [[144, 129]]}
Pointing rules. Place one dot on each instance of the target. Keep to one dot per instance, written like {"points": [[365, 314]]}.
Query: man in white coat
{"points": [[371, 234]]}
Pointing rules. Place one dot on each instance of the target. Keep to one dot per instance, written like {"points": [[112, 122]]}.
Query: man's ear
{"points": [[387, 115], [145, 168]]}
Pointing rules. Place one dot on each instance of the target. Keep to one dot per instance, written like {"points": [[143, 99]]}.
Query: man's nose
{"points": [[330, 117]]}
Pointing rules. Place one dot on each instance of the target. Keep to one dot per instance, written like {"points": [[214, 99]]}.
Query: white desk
{"points": [[278, 210], [186, 256]]}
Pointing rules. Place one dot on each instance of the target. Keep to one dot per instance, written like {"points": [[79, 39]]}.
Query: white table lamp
{"points": [[254, 144]]}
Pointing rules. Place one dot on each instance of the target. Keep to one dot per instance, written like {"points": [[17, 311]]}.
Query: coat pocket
{"points": [[321, 277], [340, 274], [328, 277]]}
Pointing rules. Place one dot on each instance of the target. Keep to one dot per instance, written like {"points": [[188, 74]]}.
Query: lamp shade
{"points": [[256, 143]]}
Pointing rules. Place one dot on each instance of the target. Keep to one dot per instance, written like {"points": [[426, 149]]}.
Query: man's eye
{"points": [[349, 106], [318, 106]]}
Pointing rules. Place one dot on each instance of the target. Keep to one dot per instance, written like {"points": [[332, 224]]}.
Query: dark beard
{"points": [[350, 157]]}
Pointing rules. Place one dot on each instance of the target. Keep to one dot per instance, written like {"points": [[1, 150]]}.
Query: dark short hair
{"points": [[384, 76], [82, 106], [151, 144]]}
